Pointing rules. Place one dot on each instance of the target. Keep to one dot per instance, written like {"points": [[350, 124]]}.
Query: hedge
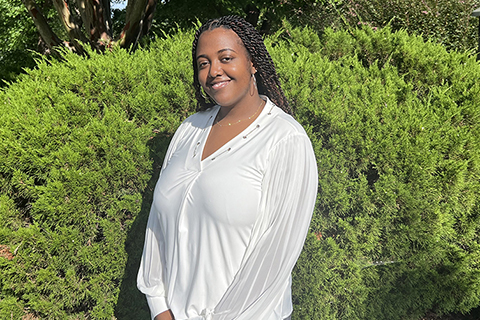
{"points": [[395, 126], [80, 138], [396, 130], [445, 21]]}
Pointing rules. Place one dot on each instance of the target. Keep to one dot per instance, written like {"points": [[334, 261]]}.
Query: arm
{"points": [[288, 198], [166, 315], [150, 274]]}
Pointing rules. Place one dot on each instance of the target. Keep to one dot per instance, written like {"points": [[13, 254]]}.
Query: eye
{"points": [[226, 59], [202, 64]]}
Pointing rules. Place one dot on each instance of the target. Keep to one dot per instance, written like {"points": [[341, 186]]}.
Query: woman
{"points": [[236, 192]]}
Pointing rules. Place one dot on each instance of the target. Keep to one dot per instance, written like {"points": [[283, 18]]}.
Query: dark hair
{"points": [[267, 78]]}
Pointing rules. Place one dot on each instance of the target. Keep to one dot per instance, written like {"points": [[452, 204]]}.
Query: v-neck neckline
{"points": [[225, 147]]}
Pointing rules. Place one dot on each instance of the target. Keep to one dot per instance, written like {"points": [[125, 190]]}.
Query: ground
{"points": [[473, 315]]}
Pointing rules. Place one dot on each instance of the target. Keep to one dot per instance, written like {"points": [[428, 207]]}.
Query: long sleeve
{"points": [[150, 274], [289, 189], [150, 278]]}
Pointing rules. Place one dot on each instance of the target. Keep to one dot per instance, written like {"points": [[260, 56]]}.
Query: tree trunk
{"points": [[73, 29], [138, 21], [95, 18], [50, 39]]}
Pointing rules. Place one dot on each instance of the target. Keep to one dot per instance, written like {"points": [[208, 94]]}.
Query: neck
{"points": [[240, 111]]}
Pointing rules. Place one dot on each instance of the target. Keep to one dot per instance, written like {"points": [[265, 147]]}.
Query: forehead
{"points": [[219, 39]]}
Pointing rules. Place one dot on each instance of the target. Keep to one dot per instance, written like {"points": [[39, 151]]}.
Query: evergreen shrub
{"points": [[445, 21], [395, 127], [396, 131], [78, 138]]}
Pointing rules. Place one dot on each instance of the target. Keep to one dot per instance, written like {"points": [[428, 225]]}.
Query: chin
{"points": [[223, 101]]}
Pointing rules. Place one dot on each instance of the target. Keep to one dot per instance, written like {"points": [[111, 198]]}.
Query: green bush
{"points": [[444, 21], [78, 139], [395, 127], [396, 131]]}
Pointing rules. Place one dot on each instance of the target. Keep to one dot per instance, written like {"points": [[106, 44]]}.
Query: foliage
{"points": [[78, 141], [445, 21], [23, 40], [266, 15], [395, 127], [18, 38]]}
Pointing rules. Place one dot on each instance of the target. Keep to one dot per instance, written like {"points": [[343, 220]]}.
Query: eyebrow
{"points": [[219, 51]]}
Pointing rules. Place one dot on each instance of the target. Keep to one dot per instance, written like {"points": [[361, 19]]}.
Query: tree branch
{"points": [[48, 36], [101, 19], [148, 17], [85, 9], [96, 19], [138, 21], [108, 17], [73, 29]]}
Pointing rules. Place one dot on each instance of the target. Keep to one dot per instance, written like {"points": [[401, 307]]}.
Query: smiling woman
{"points": [[226, 73], [223, 61], [236, 192]]}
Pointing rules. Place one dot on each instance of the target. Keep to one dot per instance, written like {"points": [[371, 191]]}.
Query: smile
{"points": [[220, 85]]}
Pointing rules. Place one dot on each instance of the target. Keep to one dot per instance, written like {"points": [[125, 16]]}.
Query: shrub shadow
{"points": [[131, 303]]}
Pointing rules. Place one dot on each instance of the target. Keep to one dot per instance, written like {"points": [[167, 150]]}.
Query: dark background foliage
{"points": [[443, 21]]}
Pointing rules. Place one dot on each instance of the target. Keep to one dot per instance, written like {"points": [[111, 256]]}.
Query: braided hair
{"points": [[268, 82]]}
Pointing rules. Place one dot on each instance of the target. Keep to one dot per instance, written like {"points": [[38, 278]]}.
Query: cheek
{"points": [[202, 79]]}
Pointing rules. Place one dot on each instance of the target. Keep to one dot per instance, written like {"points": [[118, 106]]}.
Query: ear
{"points": [[252, 66]]}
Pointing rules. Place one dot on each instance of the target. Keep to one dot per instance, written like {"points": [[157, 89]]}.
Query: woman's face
{"points": [[224, 67]]}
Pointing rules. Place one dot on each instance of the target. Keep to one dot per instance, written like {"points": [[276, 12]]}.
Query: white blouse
{"points": [[224, 233]]}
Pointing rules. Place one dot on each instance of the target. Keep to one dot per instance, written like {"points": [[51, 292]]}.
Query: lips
{"points": [[219, 84]]}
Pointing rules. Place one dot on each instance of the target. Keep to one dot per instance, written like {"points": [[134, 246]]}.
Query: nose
{"points": [[215, 69]]}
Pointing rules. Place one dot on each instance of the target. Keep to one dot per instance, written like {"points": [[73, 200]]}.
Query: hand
{"points": [[166, 315]]}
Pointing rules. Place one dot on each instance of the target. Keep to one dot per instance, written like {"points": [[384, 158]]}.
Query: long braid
{"points": [[267, 79]]}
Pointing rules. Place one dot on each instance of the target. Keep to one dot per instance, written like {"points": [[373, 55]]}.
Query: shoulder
{"points": [[283, 135], [202, 115], [291, 149], [198, 120], [287, 124], [282, 124]]}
